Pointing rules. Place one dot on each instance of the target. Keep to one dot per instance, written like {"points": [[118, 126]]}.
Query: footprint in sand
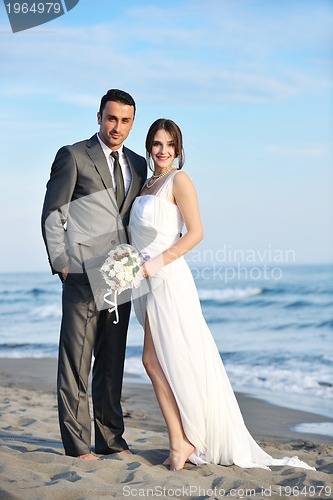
{"points": [[25, 422], [67, 476]]}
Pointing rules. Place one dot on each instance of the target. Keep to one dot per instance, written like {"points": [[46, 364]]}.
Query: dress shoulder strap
{"points": [[165, 191]]}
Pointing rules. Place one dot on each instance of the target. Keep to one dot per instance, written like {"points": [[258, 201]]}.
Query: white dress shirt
{"points": [[126, 171]]}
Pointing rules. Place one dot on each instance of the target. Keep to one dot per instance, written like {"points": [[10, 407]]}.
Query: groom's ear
{"points": [[99, 118]]}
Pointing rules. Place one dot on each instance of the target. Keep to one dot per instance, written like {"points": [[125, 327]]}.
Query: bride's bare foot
{"points": [[88, 456], [178, 457], [167, 461]]}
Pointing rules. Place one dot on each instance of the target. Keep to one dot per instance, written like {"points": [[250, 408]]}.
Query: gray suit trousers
{"points": [[85, 331]]}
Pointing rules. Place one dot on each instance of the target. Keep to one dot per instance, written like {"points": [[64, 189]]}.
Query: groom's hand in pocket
{"points": [[64, 273]]}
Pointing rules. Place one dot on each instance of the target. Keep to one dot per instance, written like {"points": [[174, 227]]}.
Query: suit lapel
{"points": [[97, 156]]}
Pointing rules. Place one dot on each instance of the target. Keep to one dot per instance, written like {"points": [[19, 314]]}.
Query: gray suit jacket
{"points": [[81, 222]]}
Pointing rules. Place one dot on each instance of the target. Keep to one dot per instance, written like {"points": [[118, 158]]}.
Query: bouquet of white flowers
{"points": [[120, 271]]}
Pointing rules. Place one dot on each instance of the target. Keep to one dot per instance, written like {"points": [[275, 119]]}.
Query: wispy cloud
{"points": [[159, 50], [301, 151], [251, 27]]}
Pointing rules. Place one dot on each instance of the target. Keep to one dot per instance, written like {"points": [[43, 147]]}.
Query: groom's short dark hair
{"points": [[117, 95]]}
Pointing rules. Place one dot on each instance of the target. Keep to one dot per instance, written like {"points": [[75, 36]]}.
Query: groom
{"points": [[86, 209]]}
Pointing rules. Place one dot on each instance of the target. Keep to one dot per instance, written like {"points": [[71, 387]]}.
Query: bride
{"points": [[201, 412]]}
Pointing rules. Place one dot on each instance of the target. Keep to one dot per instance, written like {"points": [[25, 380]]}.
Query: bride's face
{"points": [[163, 150]]}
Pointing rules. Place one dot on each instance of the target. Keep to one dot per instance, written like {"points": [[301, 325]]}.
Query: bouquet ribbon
{"points": [[113, 304]]}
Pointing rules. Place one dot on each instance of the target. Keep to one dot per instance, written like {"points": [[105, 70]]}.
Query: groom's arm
{"points": [[59, 194]]}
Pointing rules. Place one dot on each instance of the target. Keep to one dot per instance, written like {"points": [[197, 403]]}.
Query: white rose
{"points": [[129, 274], [117, 266], [121, 274]]}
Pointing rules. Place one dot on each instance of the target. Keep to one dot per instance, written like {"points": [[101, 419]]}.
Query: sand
{"points": [[33, 464]]}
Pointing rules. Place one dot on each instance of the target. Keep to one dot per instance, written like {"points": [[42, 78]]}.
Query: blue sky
{"points": [[248, 81]]}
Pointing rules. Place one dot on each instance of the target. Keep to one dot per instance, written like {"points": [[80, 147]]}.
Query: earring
{"points": [[150, 163]]}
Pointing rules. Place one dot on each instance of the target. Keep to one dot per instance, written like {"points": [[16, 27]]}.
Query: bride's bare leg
{"points": [[180, 447]]}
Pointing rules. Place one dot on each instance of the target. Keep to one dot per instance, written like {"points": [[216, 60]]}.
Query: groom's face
{"points": [[115, 123]]}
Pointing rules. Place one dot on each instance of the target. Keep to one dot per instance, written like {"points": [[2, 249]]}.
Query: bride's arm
{"points": [[186, 198]]}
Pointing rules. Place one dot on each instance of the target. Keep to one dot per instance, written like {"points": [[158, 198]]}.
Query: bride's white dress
{"points": [[185, 347]]}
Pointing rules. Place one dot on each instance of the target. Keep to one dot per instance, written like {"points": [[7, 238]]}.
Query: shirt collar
{"points": [[106, 150]]}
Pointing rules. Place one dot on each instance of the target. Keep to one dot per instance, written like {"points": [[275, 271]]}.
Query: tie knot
{"points": [[115, 155]]}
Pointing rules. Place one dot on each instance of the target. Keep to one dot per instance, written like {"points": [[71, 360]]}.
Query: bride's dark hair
{"points": [[172, 128]]}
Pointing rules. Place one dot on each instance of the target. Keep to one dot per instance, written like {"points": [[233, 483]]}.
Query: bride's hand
{"points": [[151, 267]]}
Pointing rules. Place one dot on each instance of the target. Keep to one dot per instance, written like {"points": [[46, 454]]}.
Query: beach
{"points": [[33, 464]]}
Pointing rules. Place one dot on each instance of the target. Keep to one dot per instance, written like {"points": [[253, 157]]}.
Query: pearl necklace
{"points": [[157, 177]]}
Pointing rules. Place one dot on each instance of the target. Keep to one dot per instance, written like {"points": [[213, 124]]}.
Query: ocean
{"points": [[274, 332]]}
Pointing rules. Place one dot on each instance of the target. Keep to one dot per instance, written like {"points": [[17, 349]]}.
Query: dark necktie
{"points": [[118, 177]]}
